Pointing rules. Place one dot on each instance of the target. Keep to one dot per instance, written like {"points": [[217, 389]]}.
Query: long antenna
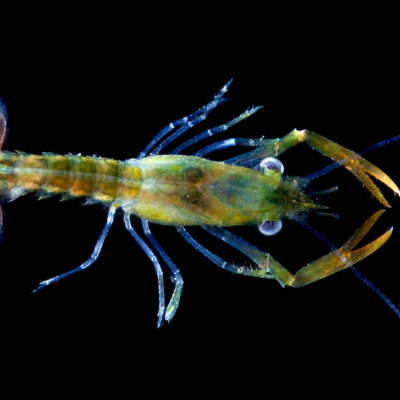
{"points": [[379, 292]]}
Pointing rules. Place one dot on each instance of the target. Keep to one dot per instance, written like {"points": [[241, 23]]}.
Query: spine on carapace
{"points": [[99, 179]]}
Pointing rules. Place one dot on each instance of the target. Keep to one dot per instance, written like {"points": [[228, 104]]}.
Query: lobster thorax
{"points": [[186, 190]]}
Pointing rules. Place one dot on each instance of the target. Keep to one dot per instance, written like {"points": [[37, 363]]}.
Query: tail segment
{"points": [[3, 122], [97, 179], [3, 129]]}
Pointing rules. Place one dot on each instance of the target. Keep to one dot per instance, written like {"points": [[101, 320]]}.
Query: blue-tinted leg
{"points": [[259, 257], [167, 129], [226, 144], [175, 274], [265, 148], [211, 256], [191, 121], [238, 243], [217, 129], [183, 121], [153, 258], [93, 257], [259, 273]]}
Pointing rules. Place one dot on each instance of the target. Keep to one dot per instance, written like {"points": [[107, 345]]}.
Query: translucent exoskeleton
{"points": [[191, 190]]}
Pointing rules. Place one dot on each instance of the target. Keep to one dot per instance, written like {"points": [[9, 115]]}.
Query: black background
{"points": [[107, 92]]}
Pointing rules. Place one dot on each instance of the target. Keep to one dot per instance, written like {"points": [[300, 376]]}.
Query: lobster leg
{"points": [[93, 256]]}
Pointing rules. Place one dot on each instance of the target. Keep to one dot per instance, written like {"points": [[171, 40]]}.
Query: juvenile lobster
{"points": [[190, 190]]}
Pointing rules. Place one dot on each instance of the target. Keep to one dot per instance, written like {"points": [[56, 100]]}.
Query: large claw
{"points": [[331, 263], [356, 164]]}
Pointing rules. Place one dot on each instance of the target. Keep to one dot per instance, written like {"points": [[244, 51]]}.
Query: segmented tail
{"points": [[3, 130]]}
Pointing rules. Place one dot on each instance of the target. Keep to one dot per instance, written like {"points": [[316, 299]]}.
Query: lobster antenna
{"points": [[379, 292]]}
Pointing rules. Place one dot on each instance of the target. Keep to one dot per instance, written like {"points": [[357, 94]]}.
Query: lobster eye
{"points": [[272, 163], [270, 228]]}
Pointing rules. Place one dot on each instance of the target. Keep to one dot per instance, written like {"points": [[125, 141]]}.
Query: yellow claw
{"points": [[353, 162], [360, 167], [332, 262]]}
